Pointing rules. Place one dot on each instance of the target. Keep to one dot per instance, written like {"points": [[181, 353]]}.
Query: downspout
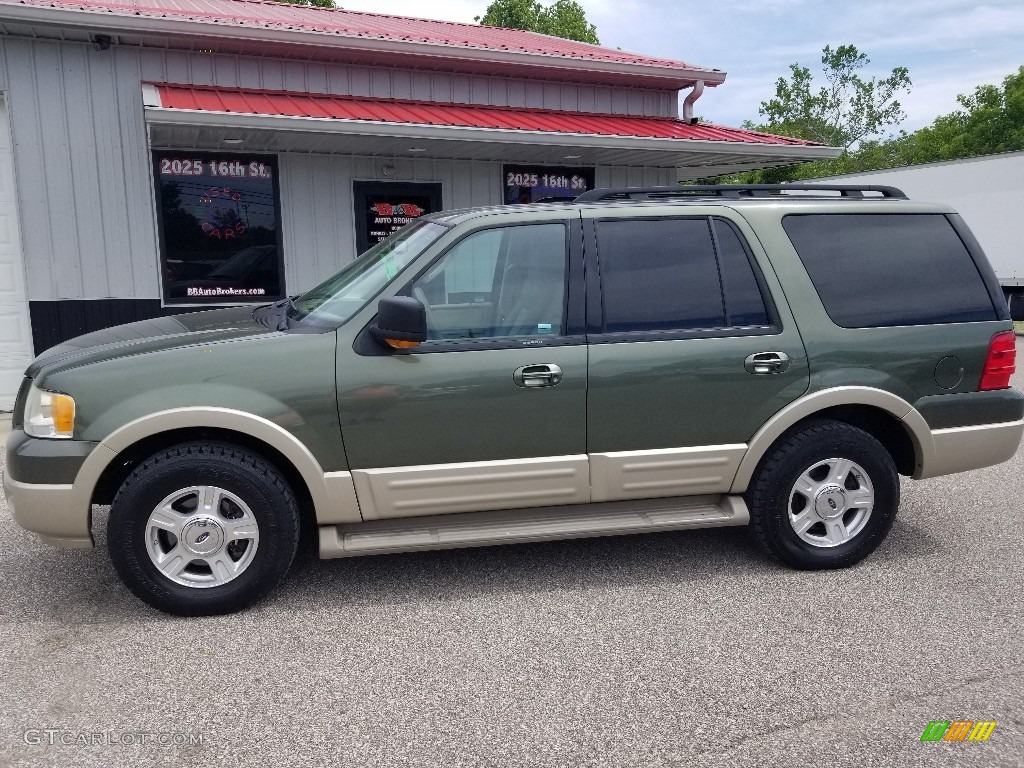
{"points": [[691, 97]]}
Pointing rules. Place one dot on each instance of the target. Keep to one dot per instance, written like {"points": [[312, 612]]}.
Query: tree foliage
{"points": [[845, 110], [991, 120], [564, 18]]}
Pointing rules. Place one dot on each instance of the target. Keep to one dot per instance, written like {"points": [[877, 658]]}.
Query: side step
{"points": [[481, 529]]}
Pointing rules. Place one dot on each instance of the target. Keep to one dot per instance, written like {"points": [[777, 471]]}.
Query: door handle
{"points": [[767, 362], [532, 376]]}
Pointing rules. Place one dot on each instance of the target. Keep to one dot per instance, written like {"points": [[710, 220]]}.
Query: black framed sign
{"points": [[384, 207], [544, 183], [220, 235]]}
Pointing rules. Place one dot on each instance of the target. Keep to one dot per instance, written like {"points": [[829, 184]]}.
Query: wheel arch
{"points": [[106, 467], [888, 418]]}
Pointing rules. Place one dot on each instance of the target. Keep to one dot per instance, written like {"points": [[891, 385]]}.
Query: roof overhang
{"points": [[201, 34], [206, 130]]}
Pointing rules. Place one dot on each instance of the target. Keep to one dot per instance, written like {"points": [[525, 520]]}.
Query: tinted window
{"points": [[875, 270], [659, 275], [496, 283], [743, 300], [219, 231]]}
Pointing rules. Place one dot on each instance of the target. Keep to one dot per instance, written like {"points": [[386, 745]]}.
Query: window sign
{"points": [[383, 207], [219, 228], [545, 183]]}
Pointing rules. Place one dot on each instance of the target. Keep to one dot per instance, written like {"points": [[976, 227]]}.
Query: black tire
{"points": [[775, 502], [245, 477]]}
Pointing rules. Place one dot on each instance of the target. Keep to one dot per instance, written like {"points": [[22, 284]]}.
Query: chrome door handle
{"points": [[532, 376], [767, 362]]}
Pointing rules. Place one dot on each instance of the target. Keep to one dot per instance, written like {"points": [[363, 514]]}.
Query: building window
{"points": [[544, 183], [219, 218]]}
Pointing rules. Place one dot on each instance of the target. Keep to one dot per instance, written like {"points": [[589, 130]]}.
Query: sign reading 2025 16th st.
{"points": [[219, 228], [217, 168]]}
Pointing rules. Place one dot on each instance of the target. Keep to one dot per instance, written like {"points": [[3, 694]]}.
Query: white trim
{"points": [[375, 128], [472, 486], [665, 472], [959, 449], [481, 529], [641, 74], [151, 95]]}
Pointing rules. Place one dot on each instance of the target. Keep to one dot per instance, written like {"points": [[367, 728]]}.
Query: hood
{"points": [[153, 335]]}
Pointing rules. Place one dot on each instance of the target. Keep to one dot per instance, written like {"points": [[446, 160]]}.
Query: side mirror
{"points": [[401, 323]]}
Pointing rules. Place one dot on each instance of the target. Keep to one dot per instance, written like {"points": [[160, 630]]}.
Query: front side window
{"points": [[497, 283], [219, 228], [342, 295]]}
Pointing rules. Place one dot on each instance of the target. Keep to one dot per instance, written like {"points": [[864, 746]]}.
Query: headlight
{"points": [[49, 414]]}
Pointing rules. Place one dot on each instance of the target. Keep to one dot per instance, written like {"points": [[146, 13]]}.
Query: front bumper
{"points": [[52, 511]]}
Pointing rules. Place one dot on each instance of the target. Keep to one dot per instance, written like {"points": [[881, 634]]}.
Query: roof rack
{"points": [[858, 191]]}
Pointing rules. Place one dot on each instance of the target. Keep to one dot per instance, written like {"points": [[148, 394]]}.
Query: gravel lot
{"points": [[674, 649]]}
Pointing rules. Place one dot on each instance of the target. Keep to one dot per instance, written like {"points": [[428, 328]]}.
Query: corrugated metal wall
{"points": [[382, 82], [316, 193], [83, 163]]}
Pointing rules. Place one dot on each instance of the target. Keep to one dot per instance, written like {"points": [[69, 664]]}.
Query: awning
{"points": [[278, 120]]}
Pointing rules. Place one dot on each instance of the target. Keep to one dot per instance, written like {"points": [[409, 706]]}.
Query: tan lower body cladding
{"points": [[549, 481]]}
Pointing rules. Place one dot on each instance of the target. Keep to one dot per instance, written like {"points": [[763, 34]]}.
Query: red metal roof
{"points": [[356, 24], [253, 102]]}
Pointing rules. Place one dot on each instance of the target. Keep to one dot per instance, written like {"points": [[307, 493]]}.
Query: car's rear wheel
{"points": [[202, 529], [824, 497]]}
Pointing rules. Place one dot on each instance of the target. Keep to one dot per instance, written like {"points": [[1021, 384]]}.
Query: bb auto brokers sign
{"points": [[385, 217]]}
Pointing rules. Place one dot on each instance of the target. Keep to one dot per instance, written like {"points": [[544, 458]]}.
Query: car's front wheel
{"points": [[824, 497], [202, 529]]}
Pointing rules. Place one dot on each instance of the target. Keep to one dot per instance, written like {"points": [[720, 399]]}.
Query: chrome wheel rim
{"points": [[831, 502], [202, 536]]}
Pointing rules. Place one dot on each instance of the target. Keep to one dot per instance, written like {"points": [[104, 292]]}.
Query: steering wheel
{"points": [[433, 329]]}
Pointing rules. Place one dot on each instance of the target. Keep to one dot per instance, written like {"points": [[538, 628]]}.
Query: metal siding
{"points": [[317, 207], [233, 71], [30, 169], [136, 194], [110, 161], [84, 166], [84, 170]]}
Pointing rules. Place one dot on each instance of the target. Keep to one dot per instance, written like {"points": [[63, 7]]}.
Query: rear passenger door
{"points": [[692, 348]]}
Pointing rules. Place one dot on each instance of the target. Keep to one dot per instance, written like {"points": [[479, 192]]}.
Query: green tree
{"points": [[845, 110], [564, 18], [991, 120]]}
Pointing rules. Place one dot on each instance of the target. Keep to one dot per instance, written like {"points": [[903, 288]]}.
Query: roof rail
{"points": [[858, 191]]}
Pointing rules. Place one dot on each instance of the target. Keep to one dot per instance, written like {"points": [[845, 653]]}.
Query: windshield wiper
{"points": [[289, 305]]}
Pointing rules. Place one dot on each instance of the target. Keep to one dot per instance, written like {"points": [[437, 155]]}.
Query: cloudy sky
{"points": [[949, 46]]}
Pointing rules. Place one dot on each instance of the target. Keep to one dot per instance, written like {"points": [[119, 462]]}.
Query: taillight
{"points": [[1001, 361]]}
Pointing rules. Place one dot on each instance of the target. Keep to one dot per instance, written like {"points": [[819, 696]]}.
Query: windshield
{"points": [[338, 298]]}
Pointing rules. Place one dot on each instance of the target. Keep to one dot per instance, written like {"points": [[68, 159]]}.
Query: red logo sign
{"points": [[400, 209]]}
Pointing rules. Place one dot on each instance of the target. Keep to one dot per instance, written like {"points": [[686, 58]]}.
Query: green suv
{"points": [[632, 361]]}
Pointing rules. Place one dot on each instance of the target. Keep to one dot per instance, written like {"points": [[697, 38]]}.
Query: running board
{"points": [[482, 529]]}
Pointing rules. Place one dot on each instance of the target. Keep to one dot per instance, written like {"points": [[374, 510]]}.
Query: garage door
{"points": [[15, 333]]}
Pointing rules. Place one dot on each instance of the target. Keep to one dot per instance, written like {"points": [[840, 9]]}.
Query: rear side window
{"points": [[743, 300], [676, 274], [878, 270]]}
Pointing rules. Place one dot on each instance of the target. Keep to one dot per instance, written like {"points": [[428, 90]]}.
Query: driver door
{"points": [[490, 412]]}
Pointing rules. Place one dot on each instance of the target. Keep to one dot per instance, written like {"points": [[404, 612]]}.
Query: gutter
{"points": [[197, 31], [193, 118]]}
